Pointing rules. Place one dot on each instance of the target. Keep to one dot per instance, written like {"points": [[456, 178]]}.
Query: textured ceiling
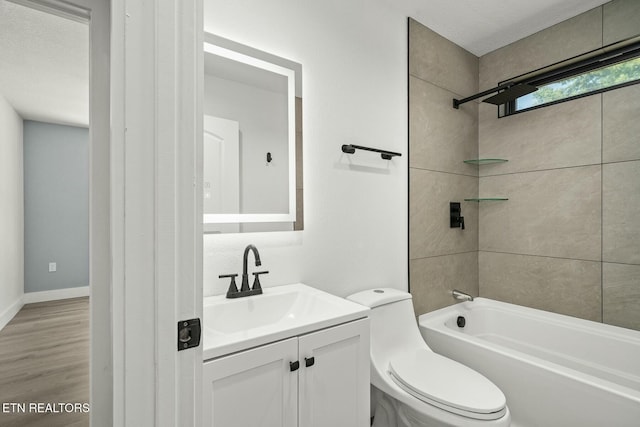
{"points": [[481, 26], [44, 71], [44, 65]]}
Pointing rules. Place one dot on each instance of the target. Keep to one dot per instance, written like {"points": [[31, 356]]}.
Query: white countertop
{"points": [[232, 325]]}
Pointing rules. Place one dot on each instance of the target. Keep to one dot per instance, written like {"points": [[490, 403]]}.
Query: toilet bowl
{"points": [[412, 385]]}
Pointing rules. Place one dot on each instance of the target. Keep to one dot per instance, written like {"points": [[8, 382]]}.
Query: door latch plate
{"points": [[189, 332]]}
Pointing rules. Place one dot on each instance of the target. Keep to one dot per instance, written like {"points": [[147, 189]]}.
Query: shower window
{"points": [[595, 81], [608, 68]]}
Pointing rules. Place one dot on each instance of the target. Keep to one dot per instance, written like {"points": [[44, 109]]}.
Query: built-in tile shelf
{"points": [[484, 161], [486, 199]]}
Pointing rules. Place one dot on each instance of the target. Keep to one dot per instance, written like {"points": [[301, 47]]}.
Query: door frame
{"points": [[156, 209], [145, 214]]}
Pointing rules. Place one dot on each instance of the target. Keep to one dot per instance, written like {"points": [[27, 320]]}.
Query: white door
{"points": [[254, 388], [334, 388], [221, 165], [221, 170]]}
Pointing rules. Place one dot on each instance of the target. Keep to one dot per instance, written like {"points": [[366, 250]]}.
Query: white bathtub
{"points": [[555, 370]]}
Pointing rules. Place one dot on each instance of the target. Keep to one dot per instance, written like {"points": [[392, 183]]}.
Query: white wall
{"points": [[353, 57], [11, 213]]}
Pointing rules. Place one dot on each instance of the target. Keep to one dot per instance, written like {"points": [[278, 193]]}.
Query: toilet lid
{"points": [[448, 385]]}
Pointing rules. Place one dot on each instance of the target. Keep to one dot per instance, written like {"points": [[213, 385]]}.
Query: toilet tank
{"points": [[394, 327]]}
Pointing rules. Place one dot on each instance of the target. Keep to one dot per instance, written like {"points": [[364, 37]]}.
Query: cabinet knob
{"points": [[293, 366], [309, 361]]}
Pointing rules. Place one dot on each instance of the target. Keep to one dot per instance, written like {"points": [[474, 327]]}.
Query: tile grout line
{"points": [[437, 171], [409, 154], [442, 255], [602, 195], [602, 182], [543, 170], [555, 257], [436, 85], [540, 256]]}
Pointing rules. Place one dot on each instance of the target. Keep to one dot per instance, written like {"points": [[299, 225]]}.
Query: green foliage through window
{"points": [[622, 72]]}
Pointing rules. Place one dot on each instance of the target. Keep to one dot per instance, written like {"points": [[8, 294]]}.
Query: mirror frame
{"points": [[234, 51]]}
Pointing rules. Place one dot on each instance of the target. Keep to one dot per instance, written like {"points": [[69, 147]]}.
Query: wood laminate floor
{"points": [[44, 358]]}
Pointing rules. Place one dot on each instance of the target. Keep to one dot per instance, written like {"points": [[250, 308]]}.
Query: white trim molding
{"points": [[10, 312], [156, 210], [56, 294], [60, 8]]}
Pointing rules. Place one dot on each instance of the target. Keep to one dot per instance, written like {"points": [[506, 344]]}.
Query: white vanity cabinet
{"points": [[263, 387]]}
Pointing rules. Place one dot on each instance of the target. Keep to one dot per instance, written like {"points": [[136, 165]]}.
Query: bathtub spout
{"points": [[461, 296]]}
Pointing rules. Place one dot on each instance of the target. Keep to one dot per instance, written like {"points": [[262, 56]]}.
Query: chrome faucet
{"points": [[461, 296], [245, 291]]}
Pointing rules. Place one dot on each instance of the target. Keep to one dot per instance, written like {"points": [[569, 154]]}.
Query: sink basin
{"points": [[250, 313], [281, 312]]}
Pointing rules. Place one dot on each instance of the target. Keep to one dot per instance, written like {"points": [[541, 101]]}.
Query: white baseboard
{"points": [[31, 297], [9, 312]]}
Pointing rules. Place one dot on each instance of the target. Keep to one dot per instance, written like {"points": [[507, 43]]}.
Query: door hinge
{"points": [[188, 334]]}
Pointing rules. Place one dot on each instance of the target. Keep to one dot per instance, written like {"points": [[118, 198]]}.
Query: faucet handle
{"points": [[233, 288], [256, 282]]}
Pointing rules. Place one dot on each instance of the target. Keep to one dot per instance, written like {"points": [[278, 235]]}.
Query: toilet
{"points": [[412, 385]]}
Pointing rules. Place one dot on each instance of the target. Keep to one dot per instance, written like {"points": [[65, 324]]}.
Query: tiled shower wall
{"points": [[568, 238], [440, 139]]}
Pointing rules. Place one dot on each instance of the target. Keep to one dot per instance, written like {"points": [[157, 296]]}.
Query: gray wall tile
{"points": [[549, 213], [569, 38], [562, 286], [441, 62], [433, 279], [299, 224], [621, 20], [299, 161], [441, 137], [561, 135], [621, 295], [620, 212], [298, 114], [429, 195], [620, 124], [299, 145], [584, 214]]}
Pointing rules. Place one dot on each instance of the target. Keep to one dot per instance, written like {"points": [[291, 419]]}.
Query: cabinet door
{"points": [[254, 388], [334, 390]]}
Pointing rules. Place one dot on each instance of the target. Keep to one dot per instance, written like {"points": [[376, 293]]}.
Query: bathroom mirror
{"points": [[252, 139]]}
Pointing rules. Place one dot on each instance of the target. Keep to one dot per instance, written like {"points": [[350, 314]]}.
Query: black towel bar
{"points": [[387, 155]]}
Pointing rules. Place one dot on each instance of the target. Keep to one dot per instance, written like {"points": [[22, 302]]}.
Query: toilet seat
{"points": [[447, 384]]}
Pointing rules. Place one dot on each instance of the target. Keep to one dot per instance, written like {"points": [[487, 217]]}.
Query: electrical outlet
{"points": [[52, 267]]}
